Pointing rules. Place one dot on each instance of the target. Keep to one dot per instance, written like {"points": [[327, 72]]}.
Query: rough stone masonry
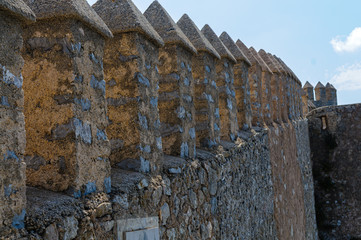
{"points": [[119, 129]]}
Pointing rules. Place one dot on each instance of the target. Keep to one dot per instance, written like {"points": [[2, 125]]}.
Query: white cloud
{"points": [[348, 77], [351, 44]]}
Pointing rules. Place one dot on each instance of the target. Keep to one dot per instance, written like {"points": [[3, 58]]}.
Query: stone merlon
{"points": [[78, 9], [307, 85], [19, 9], [264, 66], [233, 48], [123, 16], [163, 23], [217, 43], [196, 37]]}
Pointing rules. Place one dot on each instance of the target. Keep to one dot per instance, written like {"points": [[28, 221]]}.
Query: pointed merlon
{"points": [[232, 47], [329, 85], [123, 16], [270, 63], [19, 9], [277, 63], [284, 66], [319, 85], [165, 26], [196, 37], [78, 9], [307, 85], [247, 52], [217, 43], [264, 66]]}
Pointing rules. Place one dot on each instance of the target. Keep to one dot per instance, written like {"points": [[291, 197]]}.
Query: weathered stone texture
{"points": [[255, 83], [206, 100], [132, 81], [335, 147], [176, 101], [12, 125], [65, 107]]}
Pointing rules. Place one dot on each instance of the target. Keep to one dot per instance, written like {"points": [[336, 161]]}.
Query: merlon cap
{"points": [[262, 53], [233, 48], [162, 22], [19, 9], [308, 85], [329, 85], [264, 66], [78, 9], [217, 43], [247, 52], [319, 85], [123, 16], [196, 37]]}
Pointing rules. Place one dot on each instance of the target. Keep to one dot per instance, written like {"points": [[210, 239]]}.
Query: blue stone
{"points": [[144, 165], [11, 155], [216, 127], [192, 133], [148, 66], [142, 80], [8, 190], [214, 84], [76, 47], [157, 124], [189, 68], [154, 102], [108, 185], [229, 104], [90, 187], [186, 82], [77, 194], [175, 76], [83, 131], [18, 220], [208, 69], [184, 150], [78, 78], [85, 104], [216, 113], [156, 69], [205, 81], [209, 98], [146, 149], [95, 84], [183, 65], [159, 143], [101, 135], [181, 112], [5, 101], [143, 122], [10, 78], [187, 98], [228, 91], [213, 205]]}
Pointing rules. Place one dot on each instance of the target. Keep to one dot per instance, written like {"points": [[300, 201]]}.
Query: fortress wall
{"points": [[255, 186], [12, 122], [132, 78], [335, 147], [65, 107]]}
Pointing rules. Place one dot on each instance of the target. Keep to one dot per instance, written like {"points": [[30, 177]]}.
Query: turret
{"points": [[320, 92], [331, 95]]}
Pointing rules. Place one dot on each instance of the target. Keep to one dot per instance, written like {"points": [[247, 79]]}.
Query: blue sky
{"points": [[320, 40]]}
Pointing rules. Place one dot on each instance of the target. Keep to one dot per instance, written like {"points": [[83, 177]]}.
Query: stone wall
{"points": [[335, 146], [254, 184], [13, 16]]}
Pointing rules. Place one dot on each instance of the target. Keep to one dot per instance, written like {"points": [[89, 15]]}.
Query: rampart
{"points": [[335, 146], [138, 127]]}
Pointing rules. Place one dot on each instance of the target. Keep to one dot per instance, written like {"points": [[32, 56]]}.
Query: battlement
{"points": [[106, 87], [325, 96]]}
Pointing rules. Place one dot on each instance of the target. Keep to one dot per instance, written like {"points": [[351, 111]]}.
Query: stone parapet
{"points": [[13, 16], [65, 107], [132, 82]]}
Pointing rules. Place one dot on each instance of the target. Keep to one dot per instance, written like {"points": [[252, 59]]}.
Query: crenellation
{"points": [[137, 126], [176, 85], [206, 94], [226, 86]]}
